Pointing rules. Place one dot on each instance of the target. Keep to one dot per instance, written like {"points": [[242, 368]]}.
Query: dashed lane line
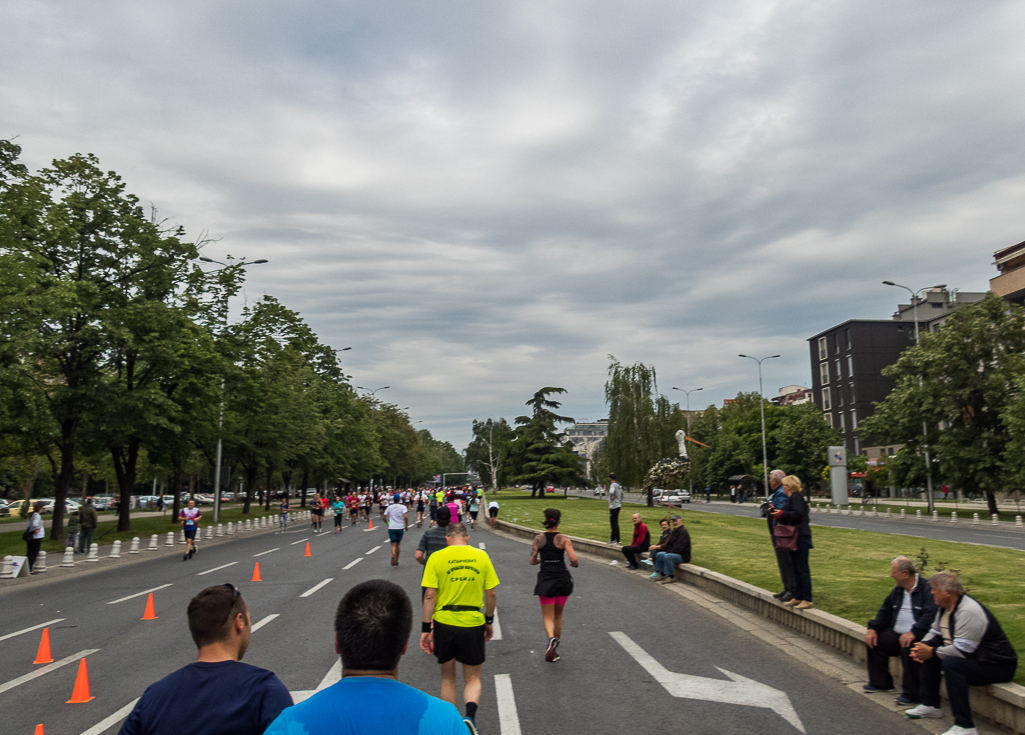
{"points": [[266, 552], [353, 563], [138, 594], [372, 551], [496, 627], [217, 569], [482, 547], [508, 718], [316, 587], [257, 626], [299, 541], [333, 676], [105, 724], [46, 669], [29, 630]]}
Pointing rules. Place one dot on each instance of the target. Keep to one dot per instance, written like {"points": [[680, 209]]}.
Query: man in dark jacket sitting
{"points": [[967, 646], [902, 621], [677, 551]]}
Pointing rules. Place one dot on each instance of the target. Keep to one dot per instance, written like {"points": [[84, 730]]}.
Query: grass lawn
{"points": [[11, 543], [850, 569]]}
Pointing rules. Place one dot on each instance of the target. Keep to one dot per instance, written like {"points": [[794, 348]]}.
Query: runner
{"points": [[474, 508], [432, 507], [316, 512], [396, 516], [492, 513], [554, 583], [454, 630], [283, 514], [353, 502], [419, 509], [456, 510], [338, 508], [190, 524]]}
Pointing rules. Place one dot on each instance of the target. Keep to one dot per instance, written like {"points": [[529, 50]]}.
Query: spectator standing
{"points": [[733, 493], [904, 618], [34, 534], [777, 500], [615, 504], [967, 646], [708, 493], [89, 521], [218, 694], [677, 551], [74, 526], [397, 516], [659, 548], [795, 513], [640, 542]]}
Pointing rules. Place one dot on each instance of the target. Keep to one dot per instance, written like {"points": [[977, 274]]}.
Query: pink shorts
{"points": [[560, 601]]}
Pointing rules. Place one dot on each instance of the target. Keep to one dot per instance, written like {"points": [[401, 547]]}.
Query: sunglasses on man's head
{"points": [[234, 597]]}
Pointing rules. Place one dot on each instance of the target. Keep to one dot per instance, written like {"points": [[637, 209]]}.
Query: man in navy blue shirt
{"points": [[218, 694], [786, 567]]}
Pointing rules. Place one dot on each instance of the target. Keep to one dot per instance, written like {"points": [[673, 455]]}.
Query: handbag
{"points": [[28, 534], [785, 537]]}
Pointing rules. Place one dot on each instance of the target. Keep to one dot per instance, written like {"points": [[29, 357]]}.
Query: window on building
{"points": [[826, 403], [847, 337], [839, 369], [850, 366], [824, 372], [857, 446], [829, 418], [839, 395], [854, 420], [822, 348], [853, 398], [843, 428], [836, 343]]}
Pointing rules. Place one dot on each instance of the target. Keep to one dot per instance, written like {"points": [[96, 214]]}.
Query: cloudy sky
{"points": [[485, 198]]}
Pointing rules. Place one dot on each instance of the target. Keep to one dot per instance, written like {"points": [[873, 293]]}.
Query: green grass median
{"points": [[850, 568]]}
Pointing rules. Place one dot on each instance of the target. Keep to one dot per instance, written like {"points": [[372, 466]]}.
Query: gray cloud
{"points": [[485, 199]]}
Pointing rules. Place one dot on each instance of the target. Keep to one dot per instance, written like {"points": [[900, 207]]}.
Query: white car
{"points": [[71, 505], [671, 497]]}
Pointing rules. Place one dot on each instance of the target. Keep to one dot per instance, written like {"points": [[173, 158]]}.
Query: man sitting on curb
{"points": [[967, 645], [372, 629], [218, 694], [638, 544], [904, 619], [677, 551]]}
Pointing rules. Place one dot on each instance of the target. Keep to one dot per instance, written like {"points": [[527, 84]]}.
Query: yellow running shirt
{"points": [[460, 574]]}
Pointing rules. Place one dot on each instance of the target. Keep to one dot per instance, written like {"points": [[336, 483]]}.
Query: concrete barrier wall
{"points": [[1001, 703]]}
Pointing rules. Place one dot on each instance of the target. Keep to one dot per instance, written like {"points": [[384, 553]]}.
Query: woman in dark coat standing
{"points": [[795, 513], [554, 583]]}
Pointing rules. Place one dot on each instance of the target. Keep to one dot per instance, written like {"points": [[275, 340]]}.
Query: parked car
{"points": [[15, 507], [4, 510], [103, 502], [671, 497], [201, 499], [71, 505]]}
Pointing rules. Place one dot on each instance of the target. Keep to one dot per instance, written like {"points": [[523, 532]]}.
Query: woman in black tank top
{"points": [[554, 583]]}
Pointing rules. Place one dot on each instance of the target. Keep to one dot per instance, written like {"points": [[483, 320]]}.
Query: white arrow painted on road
{"points": [[740, 690]]}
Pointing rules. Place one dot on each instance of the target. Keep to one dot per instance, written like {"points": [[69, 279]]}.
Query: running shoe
{"points": [[653, 575], [185, 557], [470, 725], [552, 655]]}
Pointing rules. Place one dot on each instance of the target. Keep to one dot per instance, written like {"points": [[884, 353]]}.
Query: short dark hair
{"points": [[211, 613], [443, 517], [612, 475], [372, 624]]}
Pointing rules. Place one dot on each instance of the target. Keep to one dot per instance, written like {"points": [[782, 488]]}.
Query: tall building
{"points": [[793, 395], [587, 437]]}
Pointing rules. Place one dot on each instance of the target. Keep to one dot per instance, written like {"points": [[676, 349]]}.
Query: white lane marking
{"points": [[497, 628], [508, 719], [266, 552], [105, 724], [138, 594], [47, 669], [299, 541], [737, 690], [481, 545], [316, 587], [333, 676], [29, 630], [217, 569], [257, 626], [353, 563], [372, 551]]}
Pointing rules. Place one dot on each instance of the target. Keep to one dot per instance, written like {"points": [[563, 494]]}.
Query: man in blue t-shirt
{"points": [[372, 629], [217, 695]]}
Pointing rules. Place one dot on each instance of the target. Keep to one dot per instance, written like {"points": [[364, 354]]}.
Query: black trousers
{"points": [[614, 522], [630, 552], [786, 566], [878, 662], [960, 673], [32, 552]]}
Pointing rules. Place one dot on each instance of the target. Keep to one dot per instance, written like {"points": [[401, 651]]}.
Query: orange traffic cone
{"points": [[307, 549], [43, 656], [150, 613], [39, 730], [371, 526], [81, 693], [256, 573]]}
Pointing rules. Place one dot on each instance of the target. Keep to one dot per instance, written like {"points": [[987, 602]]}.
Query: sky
{"points": [[483, 199]]}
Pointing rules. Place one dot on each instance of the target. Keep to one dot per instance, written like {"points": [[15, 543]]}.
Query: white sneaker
{"points": [[924, 711], [958, 730]]}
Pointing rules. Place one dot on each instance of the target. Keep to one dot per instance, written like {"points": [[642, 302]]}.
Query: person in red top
{"points": [[638, 544]]}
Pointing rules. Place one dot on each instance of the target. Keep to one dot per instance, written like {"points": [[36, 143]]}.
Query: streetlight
{"points": [[761, 406], [690, 477], [925, 426], [374, 391], [220, 418]]}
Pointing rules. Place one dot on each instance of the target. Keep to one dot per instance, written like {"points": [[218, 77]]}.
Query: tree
{"points": [[802, 439], [487, 453], [539, 454]]}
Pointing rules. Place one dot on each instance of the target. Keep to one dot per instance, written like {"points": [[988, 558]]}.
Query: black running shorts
{"points": [[465, 645]]}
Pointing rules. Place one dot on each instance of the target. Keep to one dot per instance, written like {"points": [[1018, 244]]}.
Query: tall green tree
{"points": [[802, 439], [487, 453], [540, 454]]}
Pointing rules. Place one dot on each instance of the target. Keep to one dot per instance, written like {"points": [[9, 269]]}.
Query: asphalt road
{"points": [[599, 686]]}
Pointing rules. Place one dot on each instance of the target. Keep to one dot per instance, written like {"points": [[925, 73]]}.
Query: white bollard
{"points": [[903, 515], [263, 521], [94, 554], [935, 515], [875, 511], [134, 549], [249, 524], [1018, 523], [115, 551], [209, 532], [181, 537], [69, 557], [953, 516], [231, 528], [975, 519], [918, 514], [996, 519], [7, 567], [170, 539], [220, 529], [152, 543], [889, 513], [40, 566]]}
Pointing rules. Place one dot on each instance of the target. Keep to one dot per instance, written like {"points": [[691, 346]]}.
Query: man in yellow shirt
{"points": [[457, 579]]}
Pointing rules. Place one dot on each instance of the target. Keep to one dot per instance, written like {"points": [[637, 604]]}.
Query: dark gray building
{"points": [[847, 365]]}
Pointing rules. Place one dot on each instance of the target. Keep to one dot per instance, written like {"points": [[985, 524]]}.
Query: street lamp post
{"points": [[690, 477], [220, 418], [761, 406], [373, 393], [925, 426]]}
